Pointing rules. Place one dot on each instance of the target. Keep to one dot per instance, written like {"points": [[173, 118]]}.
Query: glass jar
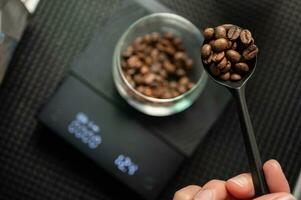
{"points": [[191, 37]]}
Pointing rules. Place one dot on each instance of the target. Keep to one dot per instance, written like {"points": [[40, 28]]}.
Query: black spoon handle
{"points": [[250, 142]]}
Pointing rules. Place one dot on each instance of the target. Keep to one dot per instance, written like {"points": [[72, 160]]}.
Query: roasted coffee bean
{"points": [[190, 85], [163, 73], [169, 67], [233, 56], [170, 50], [184, 81], [229, 45], [245, 36], [173, 84], [182, 89], [155, 36], [220, 44], [234, 45], [180, 56], [148, 60], [209, 59], [180, 72], [214, 70], [144, 69], [227, 68], [149, 78], [134, 62], [217, 57], [177, 41], [250, 52], [124, 64], [148, 91], [174, 93], [168, 35], [128, 52], [208, 33], [235, 77], [189, 63], [206, 51], [225, 76], [138, 79], [156, 67], [220, 32], [222, 64], [234, 32], [155, 54], [147, 38], [241, 67], [227, 26]]}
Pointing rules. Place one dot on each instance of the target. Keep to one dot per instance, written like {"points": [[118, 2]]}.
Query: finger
{"points": [[213, 190], [277, 196], [241, 186], [275, 177], [186, 193]]}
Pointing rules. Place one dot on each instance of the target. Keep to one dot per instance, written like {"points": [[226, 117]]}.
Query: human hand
{"points": [[240, 187]]}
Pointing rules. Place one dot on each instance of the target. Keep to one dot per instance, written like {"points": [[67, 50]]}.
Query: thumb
{"points": [[277, 196]]}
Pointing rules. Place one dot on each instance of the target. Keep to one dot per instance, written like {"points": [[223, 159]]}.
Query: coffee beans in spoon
{"points": [[228, 51]]}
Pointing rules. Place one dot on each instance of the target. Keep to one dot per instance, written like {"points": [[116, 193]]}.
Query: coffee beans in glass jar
{"points": [[228, 51], [157, 65]]}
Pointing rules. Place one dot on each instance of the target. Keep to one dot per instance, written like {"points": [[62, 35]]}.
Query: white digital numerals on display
{"points": [[85, 130], [126, 165]]}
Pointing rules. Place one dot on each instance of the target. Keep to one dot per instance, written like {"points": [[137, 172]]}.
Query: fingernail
{"points": [[240, 180], [276, 164], [204, 195], [285, 197]]}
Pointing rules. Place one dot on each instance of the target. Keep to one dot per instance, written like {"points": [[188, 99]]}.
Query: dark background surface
{"points": [[35, 164]]}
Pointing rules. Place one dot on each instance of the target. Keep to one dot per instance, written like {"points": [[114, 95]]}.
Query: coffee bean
{"points": [[147, 38], [163, 73], [209, 59], [168, 35], [189, 63], [234, 33], [182, 89], [220, 32], [227, 68], [245, 36], [222, 64], [234, 45], [180, 56], [173, 84], [250, 52], [169, 67], [227, 26], [180, 72], [147, 91], [156, 67], [241, 67], [190, 85], [155, 36], [206, 50], [184, 81], [217, 57], [177, 41], [134, 62], [235, 77], [149, 78], [144, 69], [233, 56], [229, 45], [220, 44], [155, 54], [148, 60], [225, 76], [128, 52], [170, 50], [214, 70], [138, 79], [208, 33]]}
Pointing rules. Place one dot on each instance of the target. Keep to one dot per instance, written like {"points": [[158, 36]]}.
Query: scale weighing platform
{"points": [[141, 151]]}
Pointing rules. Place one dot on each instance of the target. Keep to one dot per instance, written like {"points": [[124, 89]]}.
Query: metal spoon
{"points": [[237, 89]]}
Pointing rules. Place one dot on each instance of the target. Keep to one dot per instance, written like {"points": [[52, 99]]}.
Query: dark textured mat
{"points": [[35, 164]]}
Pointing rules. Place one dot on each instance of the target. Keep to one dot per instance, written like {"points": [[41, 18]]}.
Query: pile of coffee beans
{"points": [[228, 51], [157, 65]]}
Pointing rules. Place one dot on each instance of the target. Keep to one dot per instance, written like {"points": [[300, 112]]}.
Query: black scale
{"points": [[141, 151]]}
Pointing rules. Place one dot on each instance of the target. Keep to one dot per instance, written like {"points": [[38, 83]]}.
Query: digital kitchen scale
{"points": [[141, 151]]}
